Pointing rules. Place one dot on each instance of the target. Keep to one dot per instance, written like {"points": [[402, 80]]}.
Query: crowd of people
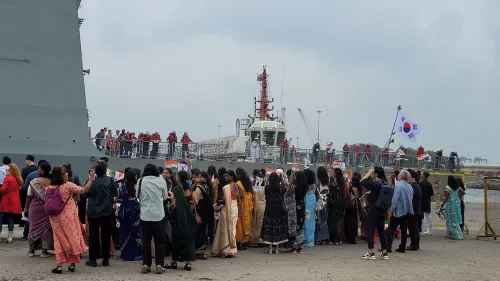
{"points": [[159, 212]]}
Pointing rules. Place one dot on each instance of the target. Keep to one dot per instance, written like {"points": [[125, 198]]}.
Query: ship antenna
{"points": [[282, 85], [264, 99]]}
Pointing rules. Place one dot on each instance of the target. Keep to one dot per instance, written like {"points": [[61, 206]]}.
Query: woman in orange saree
{"points": [[245, 209]]}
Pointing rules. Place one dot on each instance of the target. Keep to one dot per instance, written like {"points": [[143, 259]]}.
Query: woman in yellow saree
{"points": [[245, 208], [259, 207]]}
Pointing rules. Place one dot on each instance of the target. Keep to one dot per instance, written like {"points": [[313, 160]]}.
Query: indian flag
{"points": [[422, 156], [116, 175], [270, 171], [295, 167], [172, 165]]}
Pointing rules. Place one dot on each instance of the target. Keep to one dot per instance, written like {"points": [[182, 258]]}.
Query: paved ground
{"points": [[439, 259]]}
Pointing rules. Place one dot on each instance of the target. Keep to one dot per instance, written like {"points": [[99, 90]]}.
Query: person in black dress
{"points": [[274, 225]]}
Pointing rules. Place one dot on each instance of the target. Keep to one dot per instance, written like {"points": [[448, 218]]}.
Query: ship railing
{"points": [[352, 158], [159, 150], [275, 155]]}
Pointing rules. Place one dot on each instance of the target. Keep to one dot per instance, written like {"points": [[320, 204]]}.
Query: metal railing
{"points": [[355, 159], [158, 150], [219, 152]]}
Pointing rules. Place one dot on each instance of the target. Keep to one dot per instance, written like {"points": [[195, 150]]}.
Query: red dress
{"points": [[9, 196]]}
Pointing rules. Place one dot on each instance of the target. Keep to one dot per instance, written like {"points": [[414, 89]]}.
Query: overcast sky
{"points": [[191, 65]]}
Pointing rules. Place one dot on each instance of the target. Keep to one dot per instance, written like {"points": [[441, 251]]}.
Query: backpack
{"points": [[53, 202], [384, 200]]}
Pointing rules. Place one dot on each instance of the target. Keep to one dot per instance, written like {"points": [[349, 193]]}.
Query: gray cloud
{"points": [[191, 65]]}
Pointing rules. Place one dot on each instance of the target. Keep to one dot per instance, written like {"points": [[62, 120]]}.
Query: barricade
{"points": [[491, 212]]}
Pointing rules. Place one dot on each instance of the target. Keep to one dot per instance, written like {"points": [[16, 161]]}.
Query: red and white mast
{"points": [[263, 111]]}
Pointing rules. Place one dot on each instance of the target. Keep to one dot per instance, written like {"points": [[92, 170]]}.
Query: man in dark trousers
{"points": [[417, 213], [427, 194], [29, 161]]}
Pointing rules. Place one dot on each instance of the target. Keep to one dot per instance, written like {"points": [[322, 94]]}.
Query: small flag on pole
{"points": [[423, 156], [172, 165], [270, 171], [116, 175], [338, 164], [400, 153]]}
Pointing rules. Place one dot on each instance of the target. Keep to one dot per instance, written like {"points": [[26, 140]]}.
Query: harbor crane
{"points": [[307, 125]]}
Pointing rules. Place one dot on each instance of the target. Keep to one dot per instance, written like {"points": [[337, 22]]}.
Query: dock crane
{"points": [[307, 125]]}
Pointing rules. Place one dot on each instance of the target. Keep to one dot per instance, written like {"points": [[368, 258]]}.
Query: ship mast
{"points": [[263, 111]]}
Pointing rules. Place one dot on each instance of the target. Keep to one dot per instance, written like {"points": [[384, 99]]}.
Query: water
{"points": [[477, 196]]}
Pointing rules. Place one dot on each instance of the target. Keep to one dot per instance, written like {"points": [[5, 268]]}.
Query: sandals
{"points": [[172, 265], [71, 268], [271, 251], [187, 266], [57, 270]]}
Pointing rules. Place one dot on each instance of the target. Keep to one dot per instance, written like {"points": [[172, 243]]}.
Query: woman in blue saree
{"points": [[130, 235], [310, 213], [453, 213]]}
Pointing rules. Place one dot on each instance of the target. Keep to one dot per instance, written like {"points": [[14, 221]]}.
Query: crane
{"points": [[307, 125]]}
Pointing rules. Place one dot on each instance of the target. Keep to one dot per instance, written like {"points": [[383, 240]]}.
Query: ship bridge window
{"points": [[281, 136], [270, 137], [253, 135]]}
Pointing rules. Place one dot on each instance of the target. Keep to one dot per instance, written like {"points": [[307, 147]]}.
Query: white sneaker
{"points": [[145, 269], [369, 256], [160, 269], [384, 256]]}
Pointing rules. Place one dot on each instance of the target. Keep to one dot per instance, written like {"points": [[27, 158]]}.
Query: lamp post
{"points": [[319, 115]]}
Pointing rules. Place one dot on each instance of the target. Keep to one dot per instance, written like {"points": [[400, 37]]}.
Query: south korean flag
{"points": [[408, 128]]}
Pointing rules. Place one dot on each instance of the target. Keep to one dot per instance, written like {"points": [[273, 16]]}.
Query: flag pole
{"points": [[391, 140]]}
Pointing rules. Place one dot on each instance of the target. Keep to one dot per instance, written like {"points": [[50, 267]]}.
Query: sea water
{"points": [[477, 196]]}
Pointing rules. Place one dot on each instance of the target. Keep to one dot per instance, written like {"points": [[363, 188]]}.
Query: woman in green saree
{"points": [[452, 195], [184, 224]]}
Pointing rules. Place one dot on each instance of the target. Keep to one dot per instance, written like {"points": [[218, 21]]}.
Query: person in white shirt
{"points": [[3, 169], [151, 192]]}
